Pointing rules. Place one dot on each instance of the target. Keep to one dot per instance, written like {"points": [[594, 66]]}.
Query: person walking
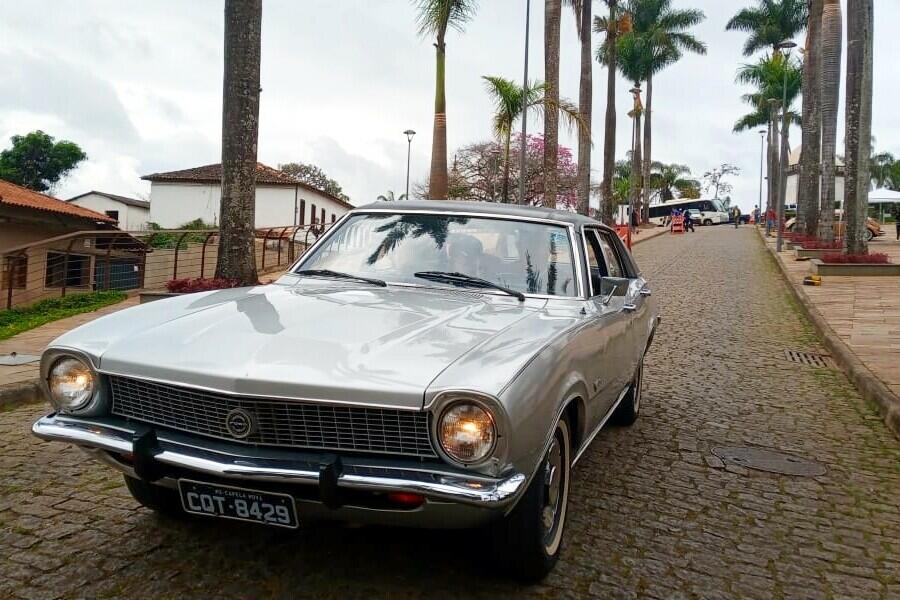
{"points": [[770, 221], [756, 215], [688, 221], [897, 219], [736, 215]]}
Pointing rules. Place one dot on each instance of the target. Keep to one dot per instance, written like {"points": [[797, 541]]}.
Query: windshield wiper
{"points": [[468, 279], [339, 275]]}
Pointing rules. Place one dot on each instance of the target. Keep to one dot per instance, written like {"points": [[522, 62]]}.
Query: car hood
{"points": [[315, 339]]}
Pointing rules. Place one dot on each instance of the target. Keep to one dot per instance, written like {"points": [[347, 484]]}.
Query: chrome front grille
{"points": [[296, 424]]}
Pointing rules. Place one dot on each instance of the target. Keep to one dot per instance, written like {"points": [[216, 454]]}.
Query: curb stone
{"points": [[20, 394], [869, 386]]}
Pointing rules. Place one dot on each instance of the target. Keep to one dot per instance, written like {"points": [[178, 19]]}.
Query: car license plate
{"points": [[214, 500]]}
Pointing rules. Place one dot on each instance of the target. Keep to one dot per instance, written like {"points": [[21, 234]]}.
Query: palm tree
{"points": [[884, 170], [389, 197], [613, 25], [811, 147], [510, 99], [831, 72], [769, 23], [582, 10], [668, 179], [662, 32], [240, 132], [860, 21], [768, 76], [435, 17], [552, 18]]}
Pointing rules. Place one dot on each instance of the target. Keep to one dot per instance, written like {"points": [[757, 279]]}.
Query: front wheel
{"points": [[869, 235], [526, 543]]}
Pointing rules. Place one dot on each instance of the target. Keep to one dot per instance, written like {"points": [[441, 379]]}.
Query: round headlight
{"points": [[71, 384], [467, 432]]}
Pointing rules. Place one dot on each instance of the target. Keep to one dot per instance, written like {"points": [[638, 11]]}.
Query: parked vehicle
{"points": [[873, 227], [436, 364], [709, 212]]}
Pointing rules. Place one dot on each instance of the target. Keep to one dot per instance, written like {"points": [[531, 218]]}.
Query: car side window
{"points": [[596, 262], [614, 266]]}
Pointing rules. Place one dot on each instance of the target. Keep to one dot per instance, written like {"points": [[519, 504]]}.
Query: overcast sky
{"points": [[138, 85]]}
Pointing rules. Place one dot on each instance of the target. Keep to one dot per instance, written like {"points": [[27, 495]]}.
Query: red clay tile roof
{"points": [[16, 195], [265, 175]]}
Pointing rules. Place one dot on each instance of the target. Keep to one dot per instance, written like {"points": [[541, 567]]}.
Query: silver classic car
{"points": [[435, 364]]}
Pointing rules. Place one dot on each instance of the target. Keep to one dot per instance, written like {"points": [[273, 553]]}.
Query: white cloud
{"points": [[138, 85]]}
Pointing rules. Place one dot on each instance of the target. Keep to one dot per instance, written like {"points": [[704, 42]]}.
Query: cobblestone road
{"points": [[653, 514]]}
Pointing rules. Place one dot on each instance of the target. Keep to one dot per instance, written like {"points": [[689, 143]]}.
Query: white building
{"points": [[793, 180], [132, 214], [178, 197]]}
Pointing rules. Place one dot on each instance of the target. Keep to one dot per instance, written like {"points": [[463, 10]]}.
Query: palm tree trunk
{"points": [[438, 182], [784, 162], [552, 17], [773, 160], [860, 22], [608, 200], [636, 165], [240, 133], [585, 108], [645, 169], [505, 194], [831, 73], [811, 149]]}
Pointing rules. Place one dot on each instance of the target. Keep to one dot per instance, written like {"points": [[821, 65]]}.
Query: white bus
{"points": [[711, 212]]}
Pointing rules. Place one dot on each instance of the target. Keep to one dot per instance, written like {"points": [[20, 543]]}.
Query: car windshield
{"points": [[531, 258]]}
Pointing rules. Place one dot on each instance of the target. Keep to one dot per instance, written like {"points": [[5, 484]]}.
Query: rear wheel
{"points": [[526, 543], [869, 235], [629, 409], [707, 222], [157, 498]]}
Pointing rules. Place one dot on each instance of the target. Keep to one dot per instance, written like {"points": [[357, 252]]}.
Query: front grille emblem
{"points": [[240, 423]]}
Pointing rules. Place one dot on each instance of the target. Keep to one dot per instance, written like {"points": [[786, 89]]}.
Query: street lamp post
{"points": [[786, 45], [762, 145], [635, 169], [409, 136], [524, 108]]}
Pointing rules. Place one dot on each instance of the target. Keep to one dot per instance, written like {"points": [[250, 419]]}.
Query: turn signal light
{"points": [[406, 499]]}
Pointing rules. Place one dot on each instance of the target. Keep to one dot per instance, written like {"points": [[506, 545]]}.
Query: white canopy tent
{"points": [[883, 196]]}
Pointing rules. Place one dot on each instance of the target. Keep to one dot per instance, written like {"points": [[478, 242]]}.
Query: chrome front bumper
{"points": [[174, 450]]}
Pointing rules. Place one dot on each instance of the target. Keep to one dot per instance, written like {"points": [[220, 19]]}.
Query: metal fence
{"points": [[132, 260]]}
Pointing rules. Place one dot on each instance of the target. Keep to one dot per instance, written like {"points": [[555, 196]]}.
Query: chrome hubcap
{"points": [[552, 485]]}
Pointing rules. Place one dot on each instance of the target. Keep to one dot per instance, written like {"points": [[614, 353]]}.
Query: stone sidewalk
{"points": [[863, 312]]}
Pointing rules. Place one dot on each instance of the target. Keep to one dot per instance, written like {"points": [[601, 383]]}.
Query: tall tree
{"points": [[811, 145], [769, 23], [37, 161], [668, 179], [312, 175], [831, 72], [552, 18], [582, 10], [612, 26], [510, 100], [661, 37], [435, 17], [860, 24], [240, 132]]}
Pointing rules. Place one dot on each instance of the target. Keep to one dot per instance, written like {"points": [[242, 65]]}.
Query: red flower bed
{"points": [[856, 259], [200, 284]]}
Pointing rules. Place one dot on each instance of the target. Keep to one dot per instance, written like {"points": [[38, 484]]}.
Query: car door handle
{"points": [[629, 307], [646, 292]]}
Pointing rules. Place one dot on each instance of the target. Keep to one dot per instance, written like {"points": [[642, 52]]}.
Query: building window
{"points": [[302, 213], [74, 272], [19, 267], [112, 214], [323, 216], [333, 217], [312, 215]]}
